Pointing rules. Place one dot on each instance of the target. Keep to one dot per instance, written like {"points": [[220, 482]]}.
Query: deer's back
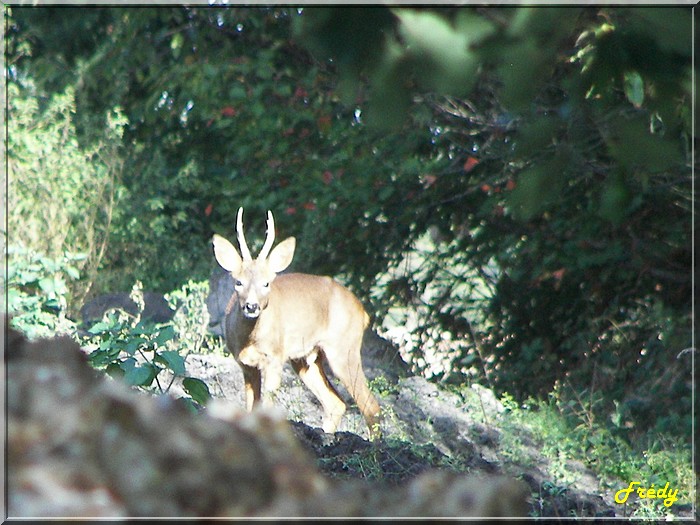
{"points": [[315, 297], [310, 310]]}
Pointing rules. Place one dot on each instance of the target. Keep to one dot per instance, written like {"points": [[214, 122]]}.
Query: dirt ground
{"points": [[424, 427]]}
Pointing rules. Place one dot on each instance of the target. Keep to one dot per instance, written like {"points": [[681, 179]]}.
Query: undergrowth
{"points": [[563, 434], [564, 428]]}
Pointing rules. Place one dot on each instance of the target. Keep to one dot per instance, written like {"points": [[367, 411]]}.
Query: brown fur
{"points": [[301, 318]]}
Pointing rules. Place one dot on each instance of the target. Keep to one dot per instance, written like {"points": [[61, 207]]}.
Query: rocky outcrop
{"points": [[81, 445], [220, 291], [155, 308], [426, 428]]}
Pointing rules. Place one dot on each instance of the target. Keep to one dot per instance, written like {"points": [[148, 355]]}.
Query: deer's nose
{"points": [[251, 309]]}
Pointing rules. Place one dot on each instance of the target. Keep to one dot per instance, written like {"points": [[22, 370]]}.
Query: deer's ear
{"points": [[281, 256], [226, 255]]}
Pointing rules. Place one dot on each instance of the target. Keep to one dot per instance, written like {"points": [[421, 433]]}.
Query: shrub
{"points": [[138, 352], [37, 291], [63, 195]]}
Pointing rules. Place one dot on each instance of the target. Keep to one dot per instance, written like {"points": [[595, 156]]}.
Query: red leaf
{"points": [[510, 185], [470, 163], [309, 206], [429, 180], [327, 177], [228, 111], [324, 123], [486, 188], [291, 210], [208, 209], [558, 274]]}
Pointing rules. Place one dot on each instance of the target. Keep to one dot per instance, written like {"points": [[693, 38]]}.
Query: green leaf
{"points": [[52, 304], [108, 344], [141, 329], [537, 187], [438, 47], [166, 334], [47, 284], [237, 92], [133, 344], [536, 134], [173, 360], [99, 327], [615, 199], [634, 147], [188, 403], [72, 272], [176, 43], [14, 297], [127, 364], [96, 357], [140, 376], [634, 88], [103, 357], [115, 370], [198, 389], [386, 192]]}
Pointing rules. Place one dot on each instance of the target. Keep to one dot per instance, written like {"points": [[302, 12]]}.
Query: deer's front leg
{"points": [[272, 379], [252, 379]]}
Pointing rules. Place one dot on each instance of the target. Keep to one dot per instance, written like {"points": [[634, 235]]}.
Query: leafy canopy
{"points": [[514, 182]]}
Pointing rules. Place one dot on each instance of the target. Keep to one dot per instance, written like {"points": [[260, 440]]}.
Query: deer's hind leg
{"points": [[349, 371], [311, 372]]}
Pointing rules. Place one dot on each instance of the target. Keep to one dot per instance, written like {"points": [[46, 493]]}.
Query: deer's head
{"points": [[253, 278]]}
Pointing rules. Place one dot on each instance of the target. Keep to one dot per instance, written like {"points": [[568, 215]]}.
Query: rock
{"points": [[425, 427], [156, 307], [82, 445], [220, 291]]}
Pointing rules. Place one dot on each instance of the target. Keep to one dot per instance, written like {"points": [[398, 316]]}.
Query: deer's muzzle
{"points": [[251, 310]]}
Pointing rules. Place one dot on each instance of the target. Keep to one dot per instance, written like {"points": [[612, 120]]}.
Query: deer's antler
{"points": [[269, 239], [245, 252]]}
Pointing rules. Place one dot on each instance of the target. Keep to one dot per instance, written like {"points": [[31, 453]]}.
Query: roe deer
{"points": [[298, 317]]}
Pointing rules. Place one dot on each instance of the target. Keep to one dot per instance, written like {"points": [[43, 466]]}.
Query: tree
{"points": [[529, 166], [568, 191]]}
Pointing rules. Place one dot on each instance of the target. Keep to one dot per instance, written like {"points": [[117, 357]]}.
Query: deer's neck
{"points": [[239, 327]]}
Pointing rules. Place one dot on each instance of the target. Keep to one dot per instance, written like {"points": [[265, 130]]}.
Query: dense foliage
{"points": [[513, 186]]}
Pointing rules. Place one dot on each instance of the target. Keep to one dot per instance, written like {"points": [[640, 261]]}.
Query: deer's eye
{"points": [[266, 285], [237, 283]]}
